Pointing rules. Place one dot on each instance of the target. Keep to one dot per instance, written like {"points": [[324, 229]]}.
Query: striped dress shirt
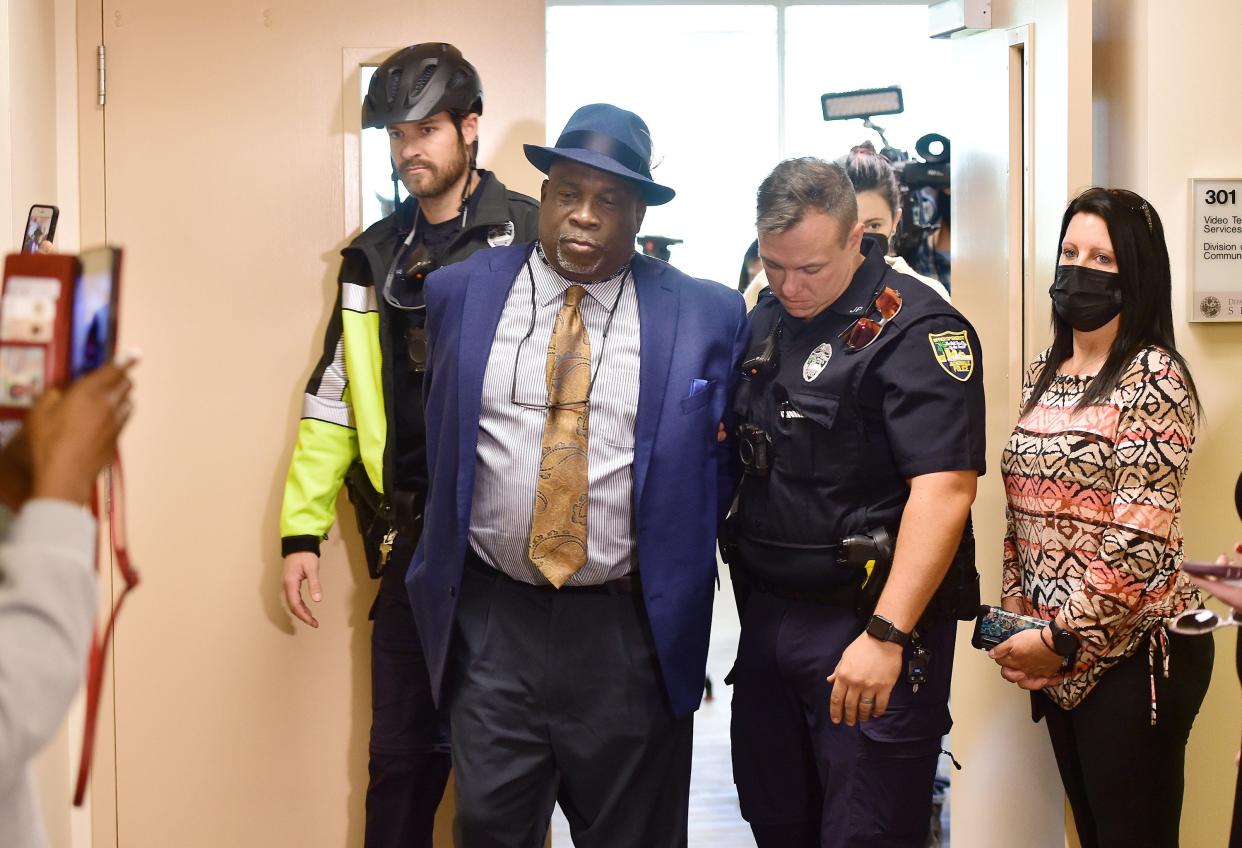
{"points": [[511, 434]]}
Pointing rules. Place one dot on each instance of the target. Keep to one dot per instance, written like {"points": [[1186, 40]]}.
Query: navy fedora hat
{"points": [[611, 139]]}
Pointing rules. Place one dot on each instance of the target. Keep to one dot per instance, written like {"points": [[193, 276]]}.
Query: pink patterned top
{"points": [[1093, 500]]}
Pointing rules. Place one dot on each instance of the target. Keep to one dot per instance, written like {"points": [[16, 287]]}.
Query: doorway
{"points": [[225, 163], [729, 90], [222, 162]]}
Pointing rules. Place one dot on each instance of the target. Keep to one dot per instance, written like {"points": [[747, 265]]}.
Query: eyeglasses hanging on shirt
{"points": [[403, 285], [530, 330], [403, 291]]}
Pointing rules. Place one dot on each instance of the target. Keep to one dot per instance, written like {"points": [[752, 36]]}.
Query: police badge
{"points": [[500, 235], [815, 363]]}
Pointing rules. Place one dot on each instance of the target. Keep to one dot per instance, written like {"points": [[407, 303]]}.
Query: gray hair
{"points": [[798, 186]]}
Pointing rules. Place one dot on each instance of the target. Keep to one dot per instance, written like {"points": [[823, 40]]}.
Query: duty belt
{"points": [[836, 596]]}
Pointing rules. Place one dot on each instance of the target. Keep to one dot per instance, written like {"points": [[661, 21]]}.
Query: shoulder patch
{"points": [[952, 351]]}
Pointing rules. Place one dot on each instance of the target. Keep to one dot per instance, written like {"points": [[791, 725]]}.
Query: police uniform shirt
{"points": [[849, 429]]}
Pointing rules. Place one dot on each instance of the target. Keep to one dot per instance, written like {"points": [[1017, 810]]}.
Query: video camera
{"points": [[657, 246], [924, 182]]}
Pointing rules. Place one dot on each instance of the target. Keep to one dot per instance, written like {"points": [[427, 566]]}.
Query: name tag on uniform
{"points": [[787, 412]]}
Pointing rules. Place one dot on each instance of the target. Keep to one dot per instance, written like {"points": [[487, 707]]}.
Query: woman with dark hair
{"points": [[1093, 476], [879, 204], [879, 211]]}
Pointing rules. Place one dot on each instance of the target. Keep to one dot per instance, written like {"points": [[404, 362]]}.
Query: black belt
{"points": [[837, 596], [627, 585]]}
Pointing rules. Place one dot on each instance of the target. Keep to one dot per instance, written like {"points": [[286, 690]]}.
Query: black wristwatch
{"points": [[1064, 642], [881, 628]]}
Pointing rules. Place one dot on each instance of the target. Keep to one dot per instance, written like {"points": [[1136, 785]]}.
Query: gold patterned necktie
{"points": [[558, 530]]}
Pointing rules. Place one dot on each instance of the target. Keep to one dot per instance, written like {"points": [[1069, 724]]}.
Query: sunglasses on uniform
{"points": [[864, 331], [1197, 622]]}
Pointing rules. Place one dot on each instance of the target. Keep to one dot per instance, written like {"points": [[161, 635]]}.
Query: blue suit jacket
{"points": [[692, 330]]}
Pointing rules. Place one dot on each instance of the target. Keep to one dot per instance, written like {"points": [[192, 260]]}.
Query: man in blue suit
{"points": [[563, 585]]}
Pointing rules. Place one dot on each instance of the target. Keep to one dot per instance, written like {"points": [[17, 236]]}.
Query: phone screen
{"points": [[94, 313], [40, 227]]}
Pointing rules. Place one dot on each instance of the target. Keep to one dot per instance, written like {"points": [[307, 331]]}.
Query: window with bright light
{"points": [[376, 164], [846, 48], [705, 79]]}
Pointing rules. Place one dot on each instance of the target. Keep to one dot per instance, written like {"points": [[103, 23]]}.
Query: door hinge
{"points": [[103, 80]]}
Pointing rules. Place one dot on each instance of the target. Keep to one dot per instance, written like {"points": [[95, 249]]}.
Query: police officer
{"points": [[861, 426], [362, 416]]}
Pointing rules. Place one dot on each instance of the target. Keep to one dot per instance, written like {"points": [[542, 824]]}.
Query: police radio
{"points": [[57, 322], [765, 357], [754, 444]]}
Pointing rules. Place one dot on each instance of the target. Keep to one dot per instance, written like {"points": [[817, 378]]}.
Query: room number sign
{"points": [[1216, 250]]}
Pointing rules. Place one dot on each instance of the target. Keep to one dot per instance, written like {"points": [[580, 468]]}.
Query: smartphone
{"points": [[994, 625], [40, 227], [93, 340], [1211, 569]]}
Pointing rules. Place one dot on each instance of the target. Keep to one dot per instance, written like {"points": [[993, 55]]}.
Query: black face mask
{"points": [[881, 242], [1085, 298]]}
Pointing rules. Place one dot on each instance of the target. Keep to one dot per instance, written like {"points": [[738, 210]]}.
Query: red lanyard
{"points": [[99, 645]]}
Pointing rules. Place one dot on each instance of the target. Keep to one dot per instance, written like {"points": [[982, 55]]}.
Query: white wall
{"points": [[1168, 78], [38, 164], [1009, 784]]}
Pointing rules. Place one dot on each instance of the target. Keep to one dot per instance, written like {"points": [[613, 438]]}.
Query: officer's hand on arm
{"points": [[299, 566], [930, 532]]}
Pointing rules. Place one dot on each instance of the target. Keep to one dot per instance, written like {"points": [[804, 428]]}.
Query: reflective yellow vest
{"points": [[344, 418]]}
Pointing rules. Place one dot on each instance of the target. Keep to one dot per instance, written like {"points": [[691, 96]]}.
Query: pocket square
{"points": [[697, 386]]}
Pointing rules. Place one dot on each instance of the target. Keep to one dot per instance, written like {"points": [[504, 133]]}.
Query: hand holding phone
{"points": [[58, 322], [1226, 571], [72, 433], [994, 625], [1223, 579], [40, 228]]}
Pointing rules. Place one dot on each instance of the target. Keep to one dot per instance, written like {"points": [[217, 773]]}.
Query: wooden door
{"points": [[225, 163]]}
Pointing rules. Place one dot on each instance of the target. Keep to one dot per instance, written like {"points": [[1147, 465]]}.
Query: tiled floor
{"points": [[714, 818]]}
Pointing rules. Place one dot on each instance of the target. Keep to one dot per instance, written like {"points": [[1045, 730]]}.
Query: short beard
{"points": [[572, 267], [439, 181]]}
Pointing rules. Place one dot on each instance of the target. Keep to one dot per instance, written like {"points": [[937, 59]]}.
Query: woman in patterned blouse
{"points": [[1093, 477]]}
